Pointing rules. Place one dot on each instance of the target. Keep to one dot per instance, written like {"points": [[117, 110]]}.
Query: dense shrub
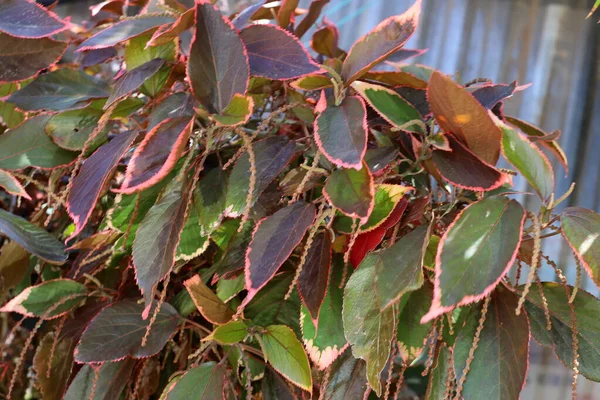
{"points": [[197, 206]]}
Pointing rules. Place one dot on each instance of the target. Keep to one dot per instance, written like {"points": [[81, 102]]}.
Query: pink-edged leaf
{"points": [[107, 385], [462, 168], [24, 58], [93, 177], [341, 132], [39, 300], [240, 20], [207, 302], [351, 191], [167, 33], [32, 238], [124, 30], [157, 154], [581, 229], [238, 112], [457, 111], [542, 139], [364, 243], [157, 239], [502, 357], [176, 105], [490, 95], [28, 19], [133, 80], [218, 64], [314, 277], [117, 332], [276, 54], [387, 37], [403, 55], [529, 160], [325, 40], [12, 185], [476, 251], [274, 239]]}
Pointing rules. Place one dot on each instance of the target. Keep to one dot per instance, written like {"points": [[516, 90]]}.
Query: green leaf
{"points": [[157, 240], [205, 382], [374, 47], [117, 332], [192, 242], [341, 132], [324, 338], [59, 90], [227, 289], [581, 229], [436, 387], [10, 116], [218, 64], [368, 329], [528, 159], [351, 191], [312, 82], [587, 309], [488, 233], [390, 106], [285, 353], [22, 58], [272, 155], [208, 304], [111, 380], [39, 300], [136, 54], [12, 185], [27, 145], [238, 112], [501, 358], [209, 200], [411, 334], [230, 333], [399, 268], [32, 238], [71, 129], [386, 198], [457, 111]]}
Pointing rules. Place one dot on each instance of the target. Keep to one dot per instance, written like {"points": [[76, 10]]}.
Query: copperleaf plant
{"points": [[198, 206]]}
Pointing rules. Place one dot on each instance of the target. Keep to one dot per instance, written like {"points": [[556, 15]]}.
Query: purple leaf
{"points": [[314, 277], [98, 56], [274, 239], [123, 30], [117, 332], [23, 58], [490, 95], [244, 16], [27, 19], [94, 174], [218, 64], [157, 154], [464, 169], [341, 132], [276, 54], [133, 80]]}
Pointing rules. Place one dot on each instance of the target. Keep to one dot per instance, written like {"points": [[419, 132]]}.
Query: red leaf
{"points": [[364, 243], [28, 19], [458, 112], [341, 132], [24, 58], [464, 169], [276, 54], [218, 64], [314, 277], [157, 154], [274, 239], [94, 174], [387, 37], [133, 80], [167, 33]]}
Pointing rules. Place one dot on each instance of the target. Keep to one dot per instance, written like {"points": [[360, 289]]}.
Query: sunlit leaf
{"points": [[341, 132], [218, 64], [581, 228], [238, 112], [488, 233], [208, 304], [230, 333], [117, 332], [32, 238], [41, 300], [204, 382]]}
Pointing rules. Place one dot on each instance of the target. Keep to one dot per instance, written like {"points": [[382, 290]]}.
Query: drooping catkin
{"points": [[450, 379], [59, 326], [577, 279], [473, 348], [519, 271], [139, 379], [252, 183], [300, 189], [134, 215], [353, 237], [324, 382], [393, 355], [431, 339], [544, 302], [163, 294], [96, 369], [400, 380], [535, 258]]}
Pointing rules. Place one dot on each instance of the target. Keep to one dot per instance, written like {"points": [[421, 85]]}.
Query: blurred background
{"points": [[548, 43]]}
